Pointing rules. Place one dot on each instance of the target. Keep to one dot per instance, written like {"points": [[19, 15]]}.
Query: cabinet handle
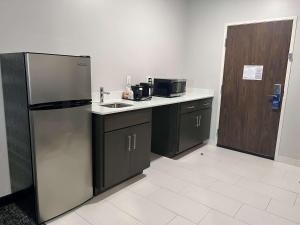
{"points": [[206, 104], [191, 107], [129, 143], [200, 117], [197, 121], [134, 141]]}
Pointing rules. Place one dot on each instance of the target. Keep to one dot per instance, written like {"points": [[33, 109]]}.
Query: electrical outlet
{"points": [[128, 80]]}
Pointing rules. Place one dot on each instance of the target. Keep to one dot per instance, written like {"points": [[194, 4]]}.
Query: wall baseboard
{"points": [[287, 160], [249, 153]]}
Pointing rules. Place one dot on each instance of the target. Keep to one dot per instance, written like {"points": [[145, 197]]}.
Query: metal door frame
{"points": [[287, 77]]}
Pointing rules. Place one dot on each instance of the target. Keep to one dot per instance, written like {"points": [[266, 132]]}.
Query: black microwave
{"points": [[169, 87]]}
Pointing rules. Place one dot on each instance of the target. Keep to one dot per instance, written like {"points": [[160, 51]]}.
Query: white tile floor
{"points": [[220, 187]]}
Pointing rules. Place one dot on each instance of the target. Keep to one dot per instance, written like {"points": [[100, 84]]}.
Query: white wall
{"points": [[123, 37], [141, 38], [204, 53]]}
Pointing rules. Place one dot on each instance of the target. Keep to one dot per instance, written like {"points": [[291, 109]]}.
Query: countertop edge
{"points": [[100, 110]]}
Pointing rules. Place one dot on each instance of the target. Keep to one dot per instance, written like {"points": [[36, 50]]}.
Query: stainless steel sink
{"points": [[116, 105]]}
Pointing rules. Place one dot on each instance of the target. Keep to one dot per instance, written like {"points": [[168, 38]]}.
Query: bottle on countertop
{"points": [[128, 93], [150, 82]]}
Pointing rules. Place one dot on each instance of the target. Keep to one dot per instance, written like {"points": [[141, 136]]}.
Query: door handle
{"points": [[199, 120], [276, 97], [191, 107], [134, 141], [129, 143]]}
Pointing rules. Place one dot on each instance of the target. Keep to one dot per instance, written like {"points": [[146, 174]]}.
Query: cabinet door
{"points": [[141, 147], [116, 156], [189, 132], [204, 122]]}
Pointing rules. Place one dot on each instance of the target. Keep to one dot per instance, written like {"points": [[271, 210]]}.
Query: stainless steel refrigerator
{"points": [[47, 104]]}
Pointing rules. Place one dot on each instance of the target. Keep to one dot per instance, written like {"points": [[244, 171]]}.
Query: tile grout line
{"points": [[266, 209], [273, 214], [234, 216], [171, 220], [297, 199], [180, 195], [205, 216], [191, 199], [207, 189], [190, 171], [114, 205], [240, 177], [83, 218], [182, 180], [110, 202], [238, 181], [147, 198], [272, 186], [281, 217], [240, 207]]}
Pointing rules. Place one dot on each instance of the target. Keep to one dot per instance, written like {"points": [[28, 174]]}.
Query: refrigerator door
{"points": [[62, 155], [55, 78]]}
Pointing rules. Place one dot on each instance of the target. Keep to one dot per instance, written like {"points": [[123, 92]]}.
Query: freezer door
{"points": [[52, 78], [62, 155]]}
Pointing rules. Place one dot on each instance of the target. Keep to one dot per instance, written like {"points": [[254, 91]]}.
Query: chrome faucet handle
{"points": [[102, 92]]}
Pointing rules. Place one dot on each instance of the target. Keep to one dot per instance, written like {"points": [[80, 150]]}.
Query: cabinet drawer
{"points": [[205, 103], [126, 119], [187, 107]]}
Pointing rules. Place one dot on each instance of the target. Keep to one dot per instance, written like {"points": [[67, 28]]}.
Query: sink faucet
{"points": [[102, 92]]}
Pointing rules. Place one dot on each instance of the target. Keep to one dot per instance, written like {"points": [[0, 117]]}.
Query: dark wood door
{"points": [[247, 122], [117, 156], [141, 148], [189, 130]]}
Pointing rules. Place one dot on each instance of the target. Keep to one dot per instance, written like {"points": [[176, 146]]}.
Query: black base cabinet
{"points": [[179, 127], [189, 133], [121, 147]]}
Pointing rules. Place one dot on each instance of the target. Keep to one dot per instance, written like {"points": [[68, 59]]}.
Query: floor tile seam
{"points": [[184, 180], [273, 214], [187, 169], [83, 217], [181, 179], [209, 211], [122, 210], [210, 206], [297, 199], [243, 202], [272, 186], [282, 217], [283, 189], [181, 195]]}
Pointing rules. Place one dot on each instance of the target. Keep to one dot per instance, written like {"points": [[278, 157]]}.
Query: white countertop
{"points": [[192, 94]]}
